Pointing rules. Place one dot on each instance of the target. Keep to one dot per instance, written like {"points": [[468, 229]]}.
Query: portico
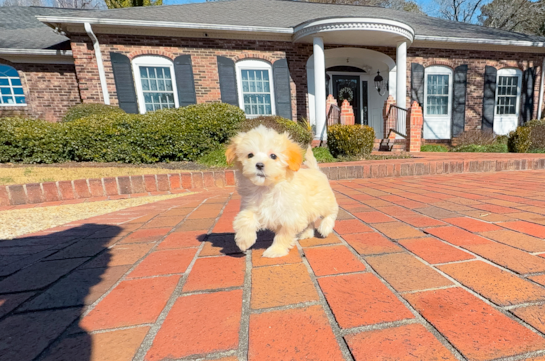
{"points": [[348, 72]]}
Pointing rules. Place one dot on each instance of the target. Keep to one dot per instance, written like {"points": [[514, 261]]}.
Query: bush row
{"points": [[350, 140]]}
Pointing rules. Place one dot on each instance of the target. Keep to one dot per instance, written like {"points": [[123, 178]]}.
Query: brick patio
{"points": [[447, 267]]}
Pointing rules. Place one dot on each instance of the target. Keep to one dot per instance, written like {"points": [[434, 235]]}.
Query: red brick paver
{"points": [[437, 267]]}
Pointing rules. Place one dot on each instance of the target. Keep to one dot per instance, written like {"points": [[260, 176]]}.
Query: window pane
{"points": [[7, 100], [4, 81], [18, 91], [5, 91], [16, 81], [507, 91], [143, 72], [145, 84], [20, 100], [168, 85], [256, 92]]}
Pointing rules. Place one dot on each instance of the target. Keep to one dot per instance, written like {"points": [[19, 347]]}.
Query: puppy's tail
{"points": [[310, 160]]}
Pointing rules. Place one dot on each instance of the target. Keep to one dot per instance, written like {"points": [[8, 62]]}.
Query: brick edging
{"points": [[155, 184]]}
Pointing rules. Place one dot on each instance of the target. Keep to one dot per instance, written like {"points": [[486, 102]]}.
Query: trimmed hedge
{"points": [[350, 140], [83, 110], [162, 136], [528, 138], [298, 133]]}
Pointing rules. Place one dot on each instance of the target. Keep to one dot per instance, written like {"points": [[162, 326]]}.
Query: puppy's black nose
{"points": [[260, 166]]}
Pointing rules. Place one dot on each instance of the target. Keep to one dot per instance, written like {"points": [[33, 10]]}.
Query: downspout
{"points": [[100, 65], [541, 90]]}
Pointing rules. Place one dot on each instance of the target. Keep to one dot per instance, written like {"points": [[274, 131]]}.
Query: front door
{"points": [[348, 87]]}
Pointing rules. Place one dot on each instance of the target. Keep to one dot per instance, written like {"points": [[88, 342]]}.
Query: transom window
{"points": [[11, 89], [155, 83], [438, 94], [255, 87], [507, 90]]}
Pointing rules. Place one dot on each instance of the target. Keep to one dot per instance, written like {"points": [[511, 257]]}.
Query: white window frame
{"points": [[252, 64], [509, 72], [11, 87], [151, 60], [431, 118]]}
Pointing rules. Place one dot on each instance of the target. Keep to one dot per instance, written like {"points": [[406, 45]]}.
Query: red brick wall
{"points": [[50, 89], [476, 61]]}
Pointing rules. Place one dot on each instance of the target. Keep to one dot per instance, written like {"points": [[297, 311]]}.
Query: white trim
{"points": [[498, 127], [435, 118], [100, 64], [41, 52], [448, 39], [254, 64], [163, 24], [152, 60], [341, 24], [540, 101]]}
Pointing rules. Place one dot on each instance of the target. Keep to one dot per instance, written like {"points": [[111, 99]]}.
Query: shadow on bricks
{"points": [[46, 283], [224, 243]]}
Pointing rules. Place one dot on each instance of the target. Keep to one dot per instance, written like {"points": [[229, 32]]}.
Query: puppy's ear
{"points": [[231, 151], [294, 153]]}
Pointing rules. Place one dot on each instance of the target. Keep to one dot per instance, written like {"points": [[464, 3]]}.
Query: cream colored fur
{"points": [[282, 197]]}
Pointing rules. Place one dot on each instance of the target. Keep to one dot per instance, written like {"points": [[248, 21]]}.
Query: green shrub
{"points": [[476, 148], [434, 148], [298, 133], [322, 155], [214, 158], [350, 140], [162, 136], [536, 151], [534, 123], [537, 137], [83, 110], [31, 141], [519, 140]]}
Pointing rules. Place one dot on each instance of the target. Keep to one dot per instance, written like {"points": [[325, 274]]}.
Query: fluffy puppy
{"points": [[277, 194]]}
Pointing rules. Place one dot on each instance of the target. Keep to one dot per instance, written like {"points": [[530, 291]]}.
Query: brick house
{"points": [[271, 57]]}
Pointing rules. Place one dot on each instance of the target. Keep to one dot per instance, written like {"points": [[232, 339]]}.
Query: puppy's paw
{"points": [[326, 226], [307, 233], [276, 251], [245, 241]]}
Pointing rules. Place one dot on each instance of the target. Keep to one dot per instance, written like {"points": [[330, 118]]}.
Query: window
{"points": [[155, 83], [437, 102], [507, 91], [255, 87], [11, 89]]}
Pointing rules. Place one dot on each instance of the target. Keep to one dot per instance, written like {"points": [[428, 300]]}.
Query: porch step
{"points": [[389, 145]]}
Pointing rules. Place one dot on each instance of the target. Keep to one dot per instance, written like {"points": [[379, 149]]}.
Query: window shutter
{"points": [[459, 100], [417, 83], [489, 97], [282, 95], [527, 94], [228, 80], [183, 70], [124, 83]]}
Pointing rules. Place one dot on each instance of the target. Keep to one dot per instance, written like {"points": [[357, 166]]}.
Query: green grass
{"points": [[215, 158], [433, 148], [474, 148], [323, 155], [537, 151]]}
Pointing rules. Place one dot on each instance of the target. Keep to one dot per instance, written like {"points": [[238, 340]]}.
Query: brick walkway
{"points": [[429, 268]]}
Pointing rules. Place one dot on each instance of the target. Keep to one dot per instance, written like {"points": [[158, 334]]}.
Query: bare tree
{"points": [[23, 3], [522, 16], [77, 4], [404, 5], [459, 10]]}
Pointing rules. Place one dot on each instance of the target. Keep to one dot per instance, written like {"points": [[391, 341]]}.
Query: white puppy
{"points": [[277, 194]]}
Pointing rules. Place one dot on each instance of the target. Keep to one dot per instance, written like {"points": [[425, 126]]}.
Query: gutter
{"points": [[541, 90], [42, 52], [446, 39], [100, 64]]}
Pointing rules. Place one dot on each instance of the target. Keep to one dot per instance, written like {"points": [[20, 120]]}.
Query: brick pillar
{"points": [[329, 101], [415, 120], [387, 123], [347, 114]]}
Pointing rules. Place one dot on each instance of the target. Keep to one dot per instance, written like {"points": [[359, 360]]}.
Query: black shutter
{"points": [[124, 83], [282, 95], [527, 94], [417, 83], [489, 97], [459, 100], [228, 80], [183, 70]]}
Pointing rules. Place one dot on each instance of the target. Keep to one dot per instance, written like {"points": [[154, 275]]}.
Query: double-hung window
{"points": [[507, 109], [11, 88], [155, 83], [255, 87], [437, 102]]}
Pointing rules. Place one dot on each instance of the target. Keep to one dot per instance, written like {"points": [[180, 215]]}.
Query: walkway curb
{"points": [[156, 184]]}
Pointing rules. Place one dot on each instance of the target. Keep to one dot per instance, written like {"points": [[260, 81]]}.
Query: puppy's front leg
{"points": [[282, 243], [246, 227]]}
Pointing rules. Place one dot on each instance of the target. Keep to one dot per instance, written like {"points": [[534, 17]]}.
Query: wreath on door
{"points": [[346, 93]]}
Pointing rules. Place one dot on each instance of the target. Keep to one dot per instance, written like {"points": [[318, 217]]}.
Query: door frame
{"points": [[362, 76]]}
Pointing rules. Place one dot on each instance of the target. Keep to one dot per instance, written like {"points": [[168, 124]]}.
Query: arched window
{"points": [[155, 83], [11, 89], [437, 102], [255, 87]]}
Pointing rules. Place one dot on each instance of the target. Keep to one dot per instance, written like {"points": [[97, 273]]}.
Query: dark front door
{"points": [[348, 87]]}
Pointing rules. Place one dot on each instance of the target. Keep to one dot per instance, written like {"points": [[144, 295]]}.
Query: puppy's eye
{"points": [[273, 156], [250, 155]]}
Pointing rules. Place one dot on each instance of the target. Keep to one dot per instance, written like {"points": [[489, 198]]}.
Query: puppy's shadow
{"points": [[226, 242]]}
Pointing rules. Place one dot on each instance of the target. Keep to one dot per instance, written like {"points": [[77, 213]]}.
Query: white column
{"points": [[401, 81], [319, 89]]}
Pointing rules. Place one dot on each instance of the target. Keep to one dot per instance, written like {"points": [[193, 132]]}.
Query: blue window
{"points": [[11, 89]]}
